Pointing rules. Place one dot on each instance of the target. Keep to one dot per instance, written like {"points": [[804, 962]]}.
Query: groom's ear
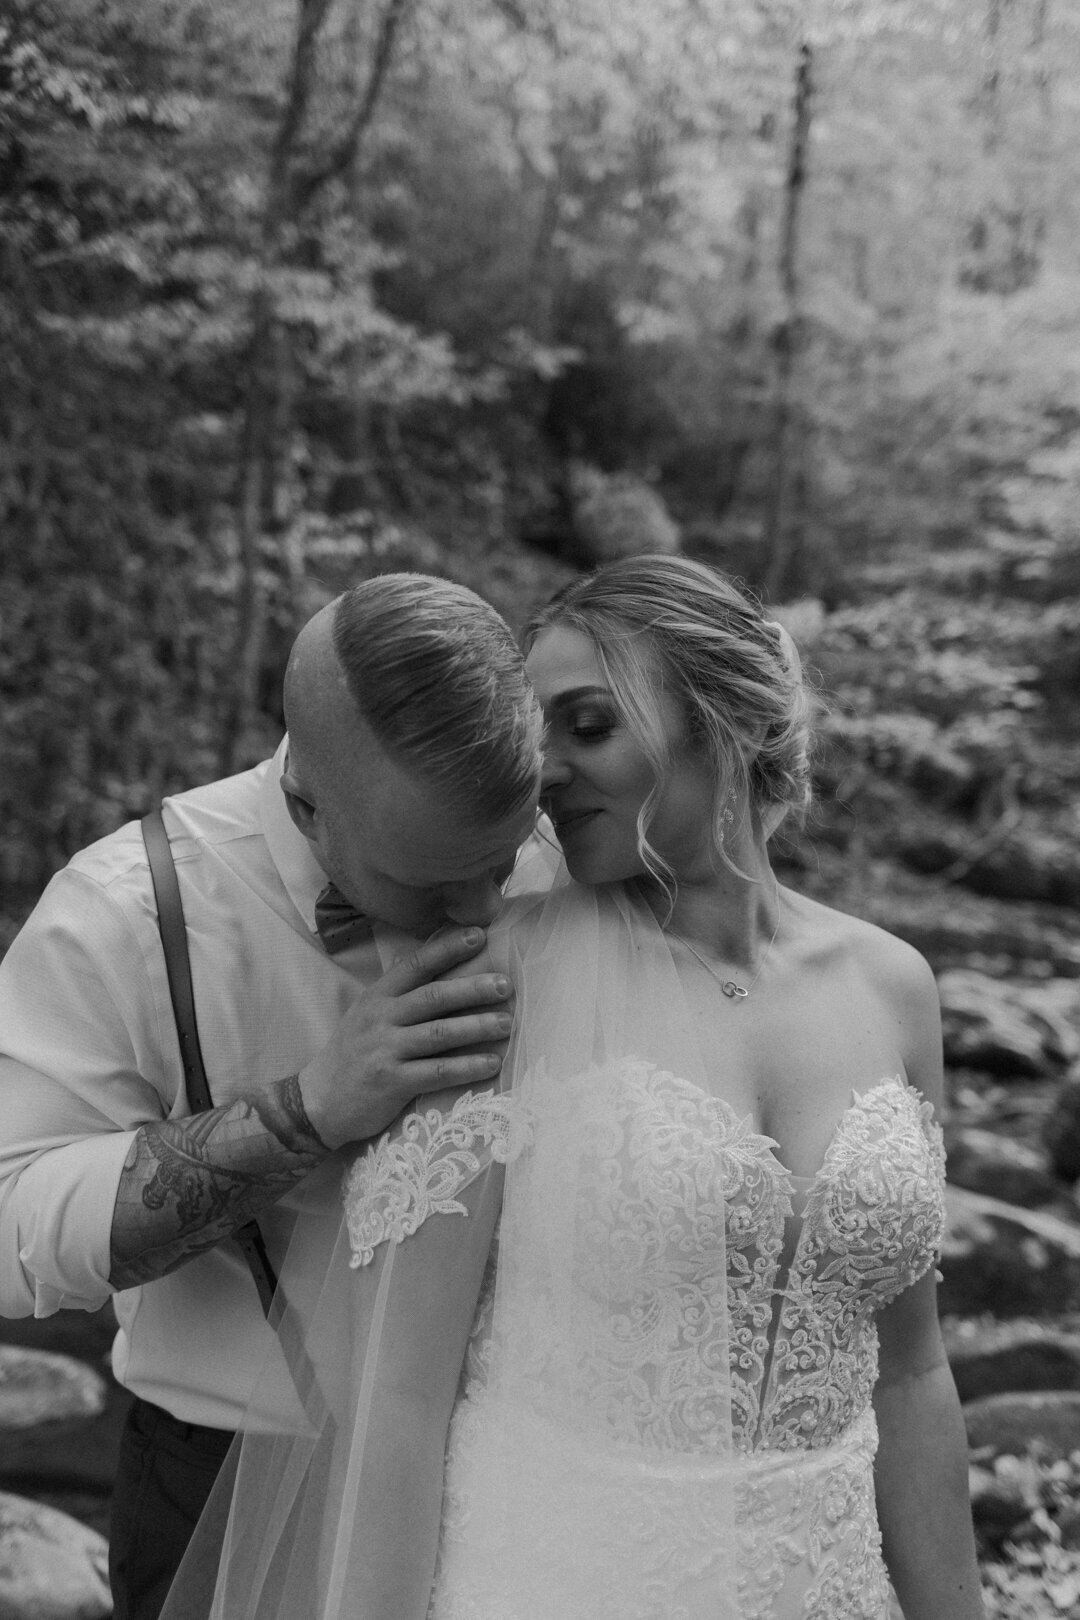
{"points": [[302, 811]]}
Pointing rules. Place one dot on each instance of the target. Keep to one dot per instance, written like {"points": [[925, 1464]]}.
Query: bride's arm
{"points": [[921, 1471]]}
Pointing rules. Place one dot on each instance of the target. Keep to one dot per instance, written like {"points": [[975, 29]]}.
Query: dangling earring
{"points": [[724, 820]]}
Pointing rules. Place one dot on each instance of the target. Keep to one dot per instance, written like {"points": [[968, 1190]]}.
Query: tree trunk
{"points": [[1042, 90], [1007, 235], [789, 342], [991, 79], [255, 471], [291, 190]]}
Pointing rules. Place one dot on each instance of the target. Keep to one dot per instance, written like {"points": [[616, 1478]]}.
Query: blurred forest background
{"points": [[294, 291]]}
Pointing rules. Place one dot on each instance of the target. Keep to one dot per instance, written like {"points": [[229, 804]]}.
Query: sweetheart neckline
{"points": [[745, 1122]]}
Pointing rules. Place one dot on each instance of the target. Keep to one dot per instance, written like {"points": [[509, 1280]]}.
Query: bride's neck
{"points": [[722, 913]]}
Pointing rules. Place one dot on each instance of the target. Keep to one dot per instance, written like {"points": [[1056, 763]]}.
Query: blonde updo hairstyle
{"points": [[666, 626]]}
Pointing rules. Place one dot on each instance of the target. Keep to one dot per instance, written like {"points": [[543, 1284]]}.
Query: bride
{"points": [[649, 1331]]}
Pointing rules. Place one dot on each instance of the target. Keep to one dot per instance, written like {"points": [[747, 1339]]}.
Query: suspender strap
{"points": [[170, 910], [173, 931]]}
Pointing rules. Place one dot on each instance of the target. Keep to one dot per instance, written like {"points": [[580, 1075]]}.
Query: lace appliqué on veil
{"points": [[419, 1169]]}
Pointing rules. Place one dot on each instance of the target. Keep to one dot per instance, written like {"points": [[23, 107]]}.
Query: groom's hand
{"points": [[406, 1034]]}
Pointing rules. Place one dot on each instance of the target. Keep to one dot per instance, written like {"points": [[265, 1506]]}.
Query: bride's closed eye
{"points": [[591, 724]]}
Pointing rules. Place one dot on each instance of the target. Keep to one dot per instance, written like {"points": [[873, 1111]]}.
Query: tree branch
{"points": [[307, 185], [789, 336], [312, 16]]}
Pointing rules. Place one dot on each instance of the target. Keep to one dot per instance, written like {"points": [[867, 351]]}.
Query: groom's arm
{"points": [[437, 1017]]}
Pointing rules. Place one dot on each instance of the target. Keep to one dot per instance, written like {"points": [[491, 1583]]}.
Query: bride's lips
{"points": [[570, 821]]}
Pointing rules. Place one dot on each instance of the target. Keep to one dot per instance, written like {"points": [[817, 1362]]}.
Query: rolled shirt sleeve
{"points": [[58, 1211], [80, 1070]]}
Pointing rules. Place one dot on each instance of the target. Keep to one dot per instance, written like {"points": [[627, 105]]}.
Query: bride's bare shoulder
{"points": [[837, 936]]}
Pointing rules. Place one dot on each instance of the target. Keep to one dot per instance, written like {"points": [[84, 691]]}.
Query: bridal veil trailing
{"points": [[580, 1348]]}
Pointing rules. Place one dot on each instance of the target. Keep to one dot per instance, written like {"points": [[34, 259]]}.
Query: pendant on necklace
{"points": [[733, 991]]}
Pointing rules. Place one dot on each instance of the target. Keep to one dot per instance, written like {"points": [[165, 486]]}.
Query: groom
{"points": [[399, 799]]}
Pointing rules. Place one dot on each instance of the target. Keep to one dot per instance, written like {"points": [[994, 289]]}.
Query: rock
{"points": [[998, 1504], [1059, 1000], [1068, 1523], [986, 1161], [1002, 1028], [68, 1462], [73, 1458], [38, 1385], [992, 1358], [1046, 1420], [51, 1566], [1006, 1260], [1034, 866], [1061, 1129]]}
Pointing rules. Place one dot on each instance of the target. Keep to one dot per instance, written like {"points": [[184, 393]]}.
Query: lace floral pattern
{"points": [[419, 1169], [592, 1535], [674, 1178], [697, 1292], [627, 1198], [808, 1539], [662, 1339], [873, 1224]]}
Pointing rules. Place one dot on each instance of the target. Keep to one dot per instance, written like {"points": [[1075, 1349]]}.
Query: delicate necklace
{"points": [[736, 992]]}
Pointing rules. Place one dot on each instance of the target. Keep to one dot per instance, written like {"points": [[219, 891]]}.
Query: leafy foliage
{"points": [[1037, 1571], [550, 265]]}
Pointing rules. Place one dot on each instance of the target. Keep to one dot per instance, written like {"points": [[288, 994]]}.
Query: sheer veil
{"points": [[331, 1503]]}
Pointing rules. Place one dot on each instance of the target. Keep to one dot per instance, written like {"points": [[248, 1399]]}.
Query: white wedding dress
{"points": [[620, 1517], [665, 1406]]}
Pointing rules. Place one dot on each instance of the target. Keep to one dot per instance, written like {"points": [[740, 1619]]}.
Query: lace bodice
{"points": [[668, 1179], [866, 1226], [648, 1182], [685, 1341]]}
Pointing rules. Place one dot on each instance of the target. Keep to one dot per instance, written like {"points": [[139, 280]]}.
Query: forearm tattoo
{"points": [[188, 1183]]}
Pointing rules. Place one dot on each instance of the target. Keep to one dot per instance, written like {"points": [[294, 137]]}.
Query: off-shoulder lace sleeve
{"points": [[419, 1167]]}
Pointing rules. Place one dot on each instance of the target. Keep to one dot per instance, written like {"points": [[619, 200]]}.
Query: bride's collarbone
{"points": [[792, 1068], [813, 1033]]}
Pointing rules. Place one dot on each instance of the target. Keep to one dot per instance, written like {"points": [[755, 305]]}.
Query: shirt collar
{"points": [[299, 871]]}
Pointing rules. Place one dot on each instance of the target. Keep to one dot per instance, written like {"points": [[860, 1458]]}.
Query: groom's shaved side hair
{"points": [[437, 675]]}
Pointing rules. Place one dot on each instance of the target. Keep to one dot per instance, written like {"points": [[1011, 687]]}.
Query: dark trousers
{"points": [[164, 1476]]}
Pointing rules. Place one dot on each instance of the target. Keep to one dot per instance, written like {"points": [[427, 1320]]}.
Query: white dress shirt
{"points": [[89, 1052]]}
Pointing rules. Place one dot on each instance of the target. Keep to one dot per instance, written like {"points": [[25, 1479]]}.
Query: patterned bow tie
{"points": [[338, 921]]}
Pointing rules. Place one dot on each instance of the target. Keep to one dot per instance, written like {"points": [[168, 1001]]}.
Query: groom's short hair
{"points": [[437, 675]]}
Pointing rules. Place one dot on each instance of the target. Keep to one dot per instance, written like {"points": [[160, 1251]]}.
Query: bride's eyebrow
{"points": [[563, 700]]}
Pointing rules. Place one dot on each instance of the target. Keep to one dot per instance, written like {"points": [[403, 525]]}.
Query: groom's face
{"points": [[398, 850]]}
